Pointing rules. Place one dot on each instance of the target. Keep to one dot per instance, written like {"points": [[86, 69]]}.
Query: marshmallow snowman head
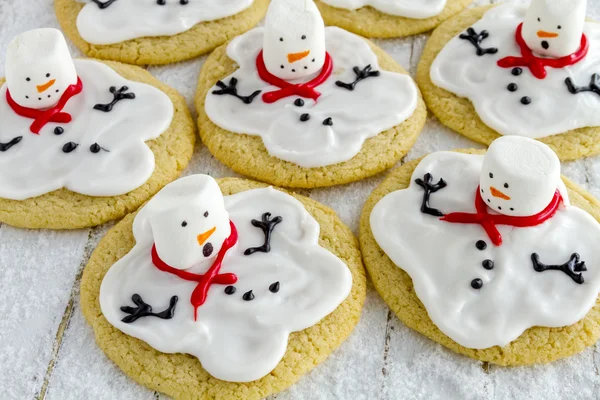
{"points": [[519, 176], [189, 222], [294, 39], [553, 28], [39, 68]]}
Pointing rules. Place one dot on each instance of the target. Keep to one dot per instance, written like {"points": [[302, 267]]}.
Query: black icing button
{"points": [[328, 121], [248, 296], [95, 148], [512, 87], [299, 102], [488, 264], [481, 245], [59, 130], [525, 100], [304, 117], [69, 147], [517, 71], [230, 290], [477, 283], [274, 288]]}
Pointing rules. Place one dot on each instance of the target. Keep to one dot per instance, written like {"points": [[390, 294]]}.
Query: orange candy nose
{"points": [[293, 57], [203, 237], [45, 86], [496, 193], [544, 34]]}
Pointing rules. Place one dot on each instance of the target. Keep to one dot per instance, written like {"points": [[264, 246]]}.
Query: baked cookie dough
{"points": [[333, 132], [459, 113], [71, 157], [535, 345], [200, 39], [182, 376], [370, 22]]}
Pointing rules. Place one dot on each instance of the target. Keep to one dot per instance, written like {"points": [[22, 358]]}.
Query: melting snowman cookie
{"points": [[195, 282], [505, 251], [73, 124], [313, 94], [530, 72], [420, 9]]}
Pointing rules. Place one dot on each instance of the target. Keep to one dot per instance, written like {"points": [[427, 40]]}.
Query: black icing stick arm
{"points": [[120, 94], [7, 146], [572, 268], [593, 87], [361, 74], [104, 4], [231, 90], [267, 224], [145, 310], [428, 189], [475, 39]]}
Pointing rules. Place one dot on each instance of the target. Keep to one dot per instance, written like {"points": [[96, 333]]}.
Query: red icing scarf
{"points": [[54, 114], [287, 89], [212, 276], [537, 65], [489, 221]]}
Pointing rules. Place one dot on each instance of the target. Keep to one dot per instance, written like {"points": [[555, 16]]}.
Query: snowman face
{"points": [[190, 235], [39, 68], [519, 176], [553, 28], [294, 39]]}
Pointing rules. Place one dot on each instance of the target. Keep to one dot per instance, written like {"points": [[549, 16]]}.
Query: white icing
{"points": [[417, 9], [442, 259], [553, 109], [376, 104], [39, 68], [547, 18], [519, 176], [294, 34], [130, 19], [235, 340], [38, 165]]}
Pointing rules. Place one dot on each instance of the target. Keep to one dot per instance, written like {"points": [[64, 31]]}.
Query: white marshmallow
{"points": [[39, 68], [553, 28], [294, 40], [519, 176], [189, 222]]}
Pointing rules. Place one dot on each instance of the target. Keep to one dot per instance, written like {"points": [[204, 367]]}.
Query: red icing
{"points": [[212, 276], [489, 221], [287, 89], [54, 114], [537, 65]]}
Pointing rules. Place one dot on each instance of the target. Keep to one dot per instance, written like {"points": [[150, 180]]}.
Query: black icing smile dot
{"points": [[26, 97], [477, 283], [304, 117], [293, 70], [230, 290], [488, 264], [512, 87], [525, 100], [274, 287], [299, 102], [205, 214], [517, 71], [481, 245], [328, 121], [207, 249], [545, 45], [58, 130], [69, 147], [499, 208], [248, 296], [184, 224], [282, 67]]}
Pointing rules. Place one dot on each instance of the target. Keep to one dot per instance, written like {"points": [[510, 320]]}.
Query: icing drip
{"points": [[7, 146], [231, 89], [573, 268], [360, 75], [266, 225], [475, 39], [145, 310], [594, 85], [118, 95]]}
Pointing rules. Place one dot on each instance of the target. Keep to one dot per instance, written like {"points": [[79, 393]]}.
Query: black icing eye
{"points": [[512, 209], [539, 20], [206, 214], [491, 175], [281, 39], [184, 224], [303, 37], [559, 27], [506, 185], [48, 75], [27, 79]]}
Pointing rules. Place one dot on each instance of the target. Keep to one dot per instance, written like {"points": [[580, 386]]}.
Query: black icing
{"points": [[118, 96], [69, 147], [145, 310], [517, 71], [274, 287], [6, 146], [476, 38], [360, 75], [526, 100], [328, 121], [477, 283], [59, 130], [95, 148], [163, 2], [304, 117], [248, 296], [481, 245], [488, 264], [299, 102], [512, 87], [207, 250], [572, 268], [231, 89], [266, 225], [230, 290], [104, 4], [428, 188], [594, 85], [545, 44]]}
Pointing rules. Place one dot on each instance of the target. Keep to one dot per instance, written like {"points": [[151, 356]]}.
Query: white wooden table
{"points": [[47, 350]]}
